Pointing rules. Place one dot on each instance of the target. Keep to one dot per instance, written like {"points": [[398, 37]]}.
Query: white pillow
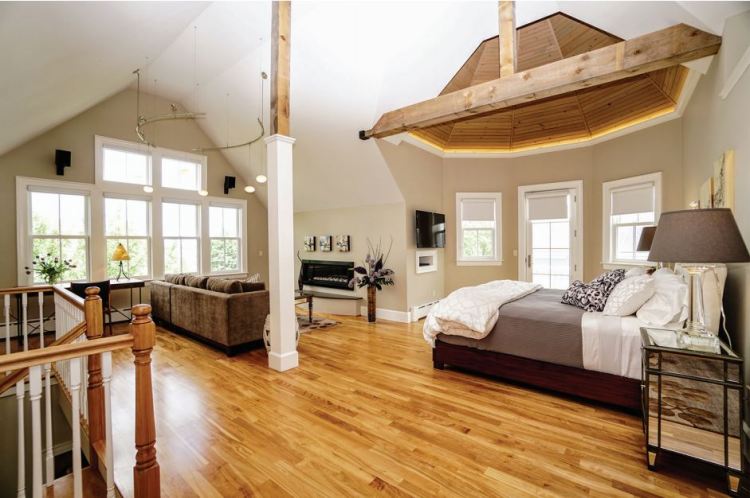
{"points": [[669, 302], [629, 295], [636, 272]]}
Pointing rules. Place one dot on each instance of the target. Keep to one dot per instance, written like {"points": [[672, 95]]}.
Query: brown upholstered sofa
{"points": [[227, 314]]}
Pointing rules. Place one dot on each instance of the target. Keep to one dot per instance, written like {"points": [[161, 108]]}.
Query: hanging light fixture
{"points": [[250, 189], [203, 193], [148, 189], [261, 178]]}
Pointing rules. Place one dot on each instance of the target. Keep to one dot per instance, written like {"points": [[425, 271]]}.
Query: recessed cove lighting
{"points": [[148, 189], [261, 178], [203, 193], [249, 189]]}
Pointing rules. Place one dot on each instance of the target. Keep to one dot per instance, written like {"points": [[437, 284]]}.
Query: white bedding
{"points": [[612, 344]]}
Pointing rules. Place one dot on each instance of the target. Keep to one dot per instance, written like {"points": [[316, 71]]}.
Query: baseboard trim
{"points": [[391, 315], [284, 361]]}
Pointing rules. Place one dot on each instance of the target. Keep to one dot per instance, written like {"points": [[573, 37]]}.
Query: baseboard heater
{"points": [[421, 311]]}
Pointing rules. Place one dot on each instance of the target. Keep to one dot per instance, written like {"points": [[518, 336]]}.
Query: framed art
{"points": [[342, 243], [309, 243], [723, 181], [325, 243]]}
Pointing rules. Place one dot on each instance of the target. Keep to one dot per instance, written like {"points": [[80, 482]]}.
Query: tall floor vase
{"points": [[371, 304]]}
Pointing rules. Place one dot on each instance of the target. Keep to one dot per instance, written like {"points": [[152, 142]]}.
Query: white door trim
{"points": [[577, 242]]}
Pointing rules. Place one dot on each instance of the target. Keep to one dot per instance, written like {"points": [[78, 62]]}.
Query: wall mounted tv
{"points": [[430, 229]]}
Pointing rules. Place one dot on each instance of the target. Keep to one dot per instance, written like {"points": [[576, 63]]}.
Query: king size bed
{"points": [[537, 340]]}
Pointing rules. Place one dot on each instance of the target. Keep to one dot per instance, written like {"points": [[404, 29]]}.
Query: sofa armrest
{"points": [[161, 308], [247, 316]]}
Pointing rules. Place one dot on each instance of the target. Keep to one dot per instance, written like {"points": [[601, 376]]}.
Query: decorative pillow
{"points": [[176, 278], [629, 295], [254, 278], [225, 286], [593, 296], [252, 286], [636, 272], [196, 281], [669, 302]]}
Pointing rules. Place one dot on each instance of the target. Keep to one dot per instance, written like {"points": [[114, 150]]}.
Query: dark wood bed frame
{"points": [[603, 387]]}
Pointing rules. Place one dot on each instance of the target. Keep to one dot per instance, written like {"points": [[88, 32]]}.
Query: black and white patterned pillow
{"points": [[593, 296]]}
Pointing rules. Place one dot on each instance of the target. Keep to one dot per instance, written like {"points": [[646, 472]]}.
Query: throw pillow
{"points": [[254, 278], [196, 281], [593, 296], [252, 286], [668, 305], [629, 295], [225, 286]]}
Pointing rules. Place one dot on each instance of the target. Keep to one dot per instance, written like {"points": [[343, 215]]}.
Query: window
{"points": [[224, 234], [478, 217], [124, 166], [629, 205], [126, 222], [180, 231], [59, 229], [177, 173]]}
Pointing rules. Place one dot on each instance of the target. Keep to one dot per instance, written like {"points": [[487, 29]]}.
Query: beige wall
{"points": [[710, 127], [114, 118], [650, 150], [382, 222]]}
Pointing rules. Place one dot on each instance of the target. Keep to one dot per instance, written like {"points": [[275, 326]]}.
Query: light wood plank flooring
{"points": [[366, 414]]}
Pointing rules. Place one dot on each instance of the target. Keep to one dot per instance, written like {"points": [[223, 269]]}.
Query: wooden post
{"points": [[92, 311], [281, 29], [507, 20], [146, 471]]}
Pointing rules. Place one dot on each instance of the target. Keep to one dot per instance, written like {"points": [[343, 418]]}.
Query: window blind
{"points": [[635, 199], [548, 206], [478, 210]]}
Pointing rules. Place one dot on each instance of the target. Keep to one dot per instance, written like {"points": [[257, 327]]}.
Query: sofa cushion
{"points": [[252, 286], [176, 278], [223, 285], [196, 281]]}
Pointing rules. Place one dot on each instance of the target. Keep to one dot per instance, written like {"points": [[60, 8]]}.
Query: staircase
{"points": [[78, 363]]}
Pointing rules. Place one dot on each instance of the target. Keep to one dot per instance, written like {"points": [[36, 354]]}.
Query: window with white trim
{"points": [[126, 222], [122, 165], [479, 225], [630, 205], [180, 174], [59, 229], [224, 236], [181, 237]]}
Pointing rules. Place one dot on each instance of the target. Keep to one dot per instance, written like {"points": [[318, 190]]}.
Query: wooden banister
{"points": [[92, 309], [146, 478], [61, 352], [23, 290]]}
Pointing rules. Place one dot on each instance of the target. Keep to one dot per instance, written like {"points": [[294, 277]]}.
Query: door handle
{"points": [[528, 261]]}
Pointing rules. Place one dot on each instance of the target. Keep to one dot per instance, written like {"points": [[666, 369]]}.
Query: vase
{"points": [[371, 304]]}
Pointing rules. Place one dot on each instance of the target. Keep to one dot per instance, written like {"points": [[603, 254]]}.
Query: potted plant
{"points": [[373, 275], [50, 269]]}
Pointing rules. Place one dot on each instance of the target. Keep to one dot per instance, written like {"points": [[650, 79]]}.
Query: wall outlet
{"points": [[260, 253], [515, 252]]}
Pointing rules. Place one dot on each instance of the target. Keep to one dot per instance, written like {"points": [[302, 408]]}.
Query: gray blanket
{"points": [[537, 326]]}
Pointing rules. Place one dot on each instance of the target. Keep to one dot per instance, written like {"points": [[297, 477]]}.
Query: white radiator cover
{"points": [[421, 311]]}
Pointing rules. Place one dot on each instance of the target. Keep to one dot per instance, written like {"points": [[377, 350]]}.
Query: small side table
{"points": [[692, 401]]}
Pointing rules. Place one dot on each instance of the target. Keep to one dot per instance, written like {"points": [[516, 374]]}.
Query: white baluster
{"points": [[25, 314], [75, 387], [6, 302], [50, 456], [20, 393], [35, 394], [109, 440], [40, 298]]}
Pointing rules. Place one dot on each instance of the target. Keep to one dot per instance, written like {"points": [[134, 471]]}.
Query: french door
{"points": [[549, 234]]}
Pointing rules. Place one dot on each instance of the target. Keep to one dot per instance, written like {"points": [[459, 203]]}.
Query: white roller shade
{"points": [[478, 209], [548, 207], [636, 199]]}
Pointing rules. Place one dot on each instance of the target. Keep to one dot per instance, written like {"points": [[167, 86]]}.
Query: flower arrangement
{"points": [[50, 269], [373, 275]]}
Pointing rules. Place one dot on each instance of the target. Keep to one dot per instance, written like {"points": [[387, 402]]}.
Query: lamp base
{"points": [[122, 273]]}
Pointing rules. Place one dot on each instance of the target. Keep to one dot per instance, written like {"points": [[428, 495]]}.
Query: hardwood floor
{"points": [[366, 414]]}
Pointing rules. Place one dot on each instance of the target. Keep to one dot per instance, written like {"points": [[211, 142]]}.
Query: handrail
{"points": [[66, 294], [22, 290], [13, 378], [61, 352]]}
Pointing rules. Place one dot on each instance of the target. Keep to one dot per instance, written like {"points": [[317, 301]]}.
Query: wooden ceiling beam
{"points": [[660, 49], [281, 28], [508, 37]]}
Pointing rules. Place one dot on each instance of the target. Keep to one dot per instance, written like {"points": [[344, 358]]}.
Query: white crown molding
{"points": [[736, 74]]}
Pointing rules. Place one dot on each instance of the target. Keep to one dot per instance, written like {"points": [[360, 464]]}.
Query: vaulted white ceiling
{"points": [[351, 61]]}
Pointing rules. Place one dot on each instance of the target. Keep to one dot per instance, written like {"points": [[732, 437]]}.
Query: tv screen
{"points": [[430, 229]]}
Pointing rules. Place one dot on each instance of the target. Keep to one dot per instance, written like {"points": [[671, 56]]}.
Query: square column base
{"points": [[283, 362]]}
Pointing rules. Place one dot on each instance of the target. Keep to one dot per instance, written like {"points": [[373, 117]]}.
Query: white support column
{"points": [[283, 354], [35, 395]]}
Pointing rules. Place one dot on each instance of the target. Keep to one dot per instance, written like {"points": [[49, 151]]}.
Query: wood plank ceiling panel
{"points": [[537, 45], [493, 131], [575, 37], [548, 121]]}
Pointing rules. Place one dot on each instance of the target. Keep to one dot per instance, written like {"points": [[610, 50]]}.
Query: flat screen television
{"points": [[430, 229]]}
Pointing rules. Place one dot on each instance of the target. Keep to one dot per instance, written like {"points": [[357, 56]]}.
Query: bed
{"points": [[537, 340]]}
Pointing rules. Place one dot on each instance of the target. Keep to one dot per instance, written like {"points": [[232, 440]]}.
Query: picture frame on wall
{"points": [[325, 242], [343, 243], [723, 181], [309, 243], [706, 194]]}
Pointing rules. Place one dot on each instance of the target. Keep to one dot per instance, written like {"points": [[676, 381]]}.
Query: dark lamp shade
{"points": [[698, 236], [647, 237]]}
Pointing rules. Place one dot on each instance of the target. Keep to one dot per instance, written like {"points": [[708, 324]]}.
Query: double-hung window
{"points": [[126, 222], [224, 234], [180, 230], [180, 174], [478, 218], [59, 229], [630, 205]]}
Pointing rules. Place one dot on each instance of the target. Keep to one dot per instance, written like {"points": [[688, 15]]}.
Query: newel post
{"points": [[92, 311], [146, 470]]}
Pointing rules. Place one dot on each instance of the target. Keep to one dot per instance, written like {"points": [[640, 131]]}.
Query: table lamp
{"points": [[120, 255], [696, 238], [647, 238]]}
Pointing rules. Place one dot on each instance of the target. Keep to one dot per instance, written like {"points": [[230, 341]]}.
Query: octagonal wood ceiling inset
{"points": [[572, 117]]}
